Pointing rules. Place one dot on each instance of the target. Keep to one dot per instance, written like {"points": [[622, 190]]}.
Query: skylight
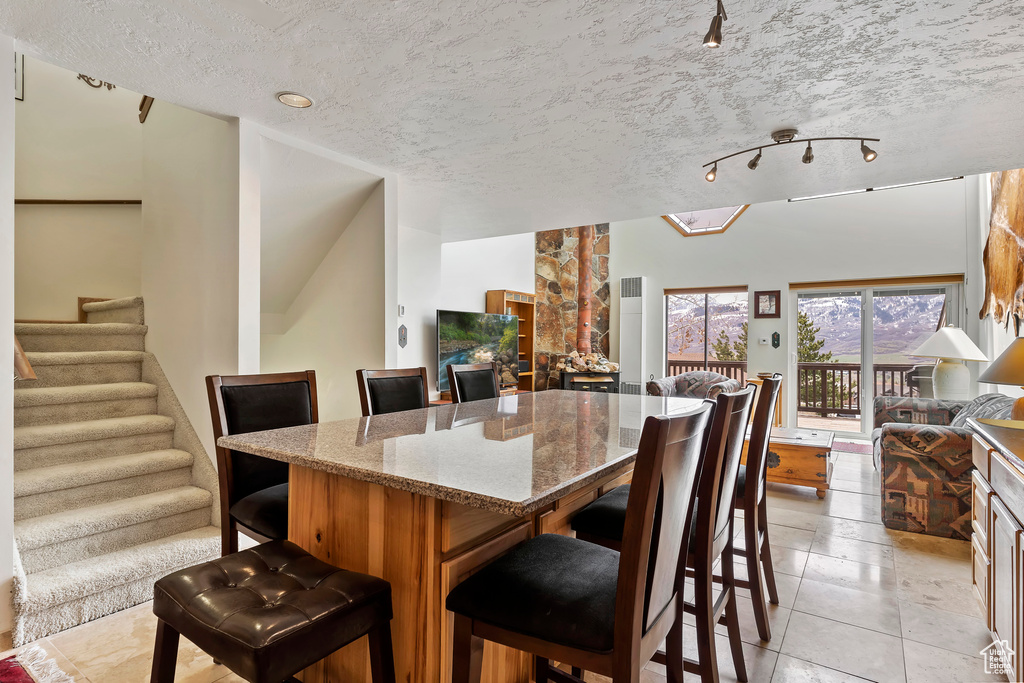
{"points": [[706, 222]]}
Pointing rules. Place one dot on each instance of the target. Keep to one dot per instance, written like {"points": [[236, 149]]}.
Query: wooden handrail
{"points": [[22, 368]]}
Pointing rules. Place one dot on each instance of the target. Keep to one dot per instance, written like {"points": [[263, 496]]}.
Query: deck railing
{"points": [[824, 388]]}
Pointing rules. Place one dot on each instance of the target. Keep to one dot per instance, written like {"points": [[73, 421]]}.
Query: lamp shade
{"points": [[1008, 368], [950, 342]]}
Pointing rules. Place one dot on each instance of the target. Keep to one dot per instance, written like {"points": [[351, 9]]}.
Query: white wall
{"points": [[901, 232], [336, 325], [75, 142], [7, 335], [419, 287], [190, 216], [470, 268], [64, 252]]}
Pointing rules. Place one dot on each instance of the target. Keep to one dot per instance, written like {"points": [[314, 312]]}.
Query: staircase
{"points": [[112, 488]]}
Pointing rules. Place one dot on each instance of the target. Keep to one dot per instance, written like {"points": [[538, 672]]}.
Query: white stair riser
{"points": [[82, 342], [86, 373], [47, 503], [131, 315], [64, 454], [80, 412], [65, 552]]}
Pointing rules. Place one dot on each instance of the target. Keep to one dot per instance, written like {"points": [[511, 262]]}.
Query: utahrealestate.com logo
{"points": [[998, 658]]}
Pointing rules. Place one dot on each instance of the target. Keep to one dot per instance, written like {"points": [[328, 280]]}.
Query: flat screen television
{"points": [[477, 338]]}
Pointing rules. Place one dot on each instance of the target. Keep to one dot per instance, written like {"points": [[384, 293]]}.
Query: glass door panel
{"points": [[829, 360], [902, 319]]}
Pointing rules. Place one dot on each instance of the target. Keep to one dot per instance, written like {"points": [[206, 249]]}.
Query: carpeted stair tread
{"points": [[47, 589], [38, 532], [73, 329], [112, 304], [82, 393], [83, 357], [90, 430], [60, 477]]}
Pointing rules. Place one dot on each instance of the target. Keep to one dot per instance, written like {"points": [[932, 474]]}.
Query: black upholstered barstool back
{"points": [[473, 382], [240, 404], [392, 391]]}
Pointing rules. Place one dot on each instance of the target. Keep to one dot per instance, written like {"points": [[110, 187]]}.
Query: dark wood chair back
{"points": [[392, 391], [658, 516], [760, 435], [240, 404], [473, 382], [722, 465]]}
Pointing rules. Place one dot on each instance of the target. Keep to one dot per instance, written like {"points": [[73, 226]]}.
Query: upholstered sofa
{"points": [[694, 384], [922, 446]]}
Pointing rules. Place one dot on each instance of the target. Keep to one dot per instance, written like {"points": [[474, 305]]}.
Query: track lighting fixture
{"points": [[808, 155], [714, 34], [869, 154], [787, 136]]}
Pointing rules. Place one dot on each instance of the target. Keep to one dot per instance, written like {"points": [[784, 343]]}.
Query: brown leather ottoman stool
{"points": [[269, 612]]}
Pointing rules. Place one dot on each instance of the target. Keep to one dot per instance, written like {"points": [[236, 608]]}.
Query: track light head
{"points": [[869, 154], [752, 164], [712, 174], [714, 34], [808, 155]]}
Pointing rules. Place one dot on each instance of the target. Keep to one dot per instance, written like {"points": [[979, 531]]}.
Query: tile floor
{"points": [[857, 602]]}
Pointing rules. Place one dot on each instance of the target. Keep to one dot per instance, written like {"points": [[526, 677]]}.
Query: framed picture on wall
{"points": [[766, 304], [19, 77]]}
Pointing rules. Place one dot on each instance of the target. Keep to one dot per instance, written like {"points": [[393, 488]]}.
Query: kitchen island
{"points": [[424, 498]]}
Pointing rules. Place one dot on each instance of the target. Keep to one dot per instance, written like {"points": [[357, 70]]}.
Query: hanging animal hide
{"points": [[1004, 251]]}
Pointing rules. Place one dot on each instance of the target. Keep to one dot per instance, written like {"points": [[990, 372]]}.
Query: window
{"points": [[706, 330], [707, 222]]}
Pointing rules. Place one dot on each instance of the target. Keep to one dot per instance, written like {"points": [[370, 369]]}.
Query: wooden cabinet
{"points": [[523, 305]]}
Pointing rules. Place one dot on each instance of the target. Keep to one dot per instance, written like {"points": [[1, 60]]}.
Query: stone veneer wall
{"points": [[557, 274]]}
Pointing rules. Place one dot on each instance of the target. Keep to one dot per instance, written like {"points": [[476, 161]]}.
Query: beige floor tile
{"points": [[927, 664], [791, 670], [847, 473], [867, 485], [953, 595], [849, 649], [932, 545], [119, 649], [852, 549], [759, 662], [788, 561], [858, 506], [850, 528], [858, 608], [849, 574], [789, 537], [778, 619], [967, 635], [808, 521], [788, 587], [54, 654], [792, 498], [235, 678]]}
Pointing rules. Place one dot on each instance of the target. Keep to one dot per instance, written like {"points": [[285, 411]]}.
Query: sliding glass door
{"points": [[856, 344]]}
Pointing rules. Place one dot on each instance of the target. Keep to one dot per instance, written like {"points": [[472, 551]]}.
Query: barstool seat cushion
{"points": [[265, 512], [270, 611], [555, 588], [606, 516]]}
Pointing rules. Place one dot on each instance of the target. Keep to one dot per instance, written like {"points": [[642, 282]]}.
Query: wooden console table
{"points": [[800, 456], [997, 538]]}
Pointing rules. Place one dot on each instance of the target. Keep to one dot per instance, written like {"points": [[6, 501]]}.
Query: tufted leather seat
{"points": [[268, 612]]}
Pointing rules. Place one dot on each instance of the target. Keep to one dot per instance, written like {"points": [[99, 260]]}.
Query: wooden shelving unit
{"points": [[523, 305]]}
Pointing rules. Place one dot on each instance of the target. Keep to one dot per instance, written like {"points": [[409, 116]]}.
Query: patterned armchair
{"points": [[695, 384], [923, 449]]}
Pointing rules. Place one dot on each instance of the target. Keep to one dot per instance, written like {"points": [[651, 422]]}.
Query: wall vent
{"points": [[632, 330], [634, 388], [629, 437], [631, 287]]}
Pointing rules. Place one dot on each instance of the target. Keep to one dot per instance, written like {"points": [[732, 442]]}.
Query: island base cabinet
{"points": [[1004, 608]]}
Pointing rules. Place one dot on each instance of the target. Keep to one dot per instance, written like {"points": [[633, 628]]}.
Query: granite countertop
{"points": [[510, 455]]}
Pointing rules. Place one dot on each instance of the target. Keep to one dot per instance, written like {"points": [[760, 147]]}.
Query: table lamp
{"points": [[1008, 369], [951, 379]]}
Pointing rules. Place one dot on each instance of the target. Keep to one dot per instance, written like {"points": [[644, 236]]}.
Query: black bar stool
{"points": [[392, 391]]}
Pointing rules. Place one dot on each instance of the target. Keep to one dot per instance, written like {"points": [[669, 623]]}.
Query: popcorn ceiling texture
{"points": [[507, 117]]}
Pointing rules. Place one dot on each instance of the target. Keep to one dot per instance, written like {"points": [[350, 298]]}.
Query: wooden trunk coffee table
{"points": [[800, 456]]}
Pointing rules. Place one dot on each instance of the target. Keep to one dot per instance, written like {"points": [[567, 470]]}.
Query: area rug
{"points": [[32, 665], [850, 447]]}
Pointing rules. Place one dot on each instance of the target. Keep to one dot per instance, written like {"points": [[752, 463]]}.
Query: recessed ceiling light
{"points": [[294, 99]]}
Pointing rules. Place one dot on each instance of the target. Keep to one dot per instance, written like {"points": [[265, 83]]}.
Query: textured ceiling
{"points": [[504, 117], [306, 202]]}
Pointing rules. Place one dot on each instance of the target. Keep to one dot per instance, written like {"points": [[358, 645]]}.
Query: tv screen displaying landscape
{"points": [[477, 338]]}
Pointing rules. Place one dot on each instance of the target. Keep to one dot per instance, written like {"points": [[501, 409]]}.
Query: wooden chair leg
{"points": [[540, 666], [674, 652], [228, 537], [165, 653], [382, 657], [755, 579], [765, 550], [704, 604], [467, 652], [732, 618]]}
